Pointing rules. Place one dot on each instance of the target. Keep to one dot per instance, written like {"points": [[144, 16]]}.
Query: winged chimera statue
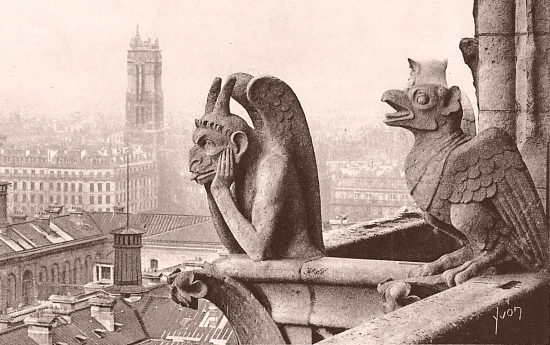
{"points": [[476, 189], [273, 210]]}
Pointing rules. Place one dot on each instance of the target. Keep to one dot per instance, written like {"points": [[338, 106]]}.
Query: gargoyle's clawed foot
{"points": [[445, 262], [484, 264]]}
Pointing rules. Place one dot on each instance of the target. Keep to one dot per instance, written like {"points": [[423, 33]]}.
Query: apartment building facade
{"points": [[89, 179]]}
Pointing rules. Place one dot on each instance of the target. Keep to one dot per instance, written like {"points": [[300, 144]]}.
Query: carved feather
{"points": [[489, 167], [283, 122]]}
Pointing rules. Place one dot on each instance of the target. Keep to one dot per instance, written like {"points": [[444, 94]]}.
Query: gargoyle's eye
{"points": [[209, 144], [422, 99]]}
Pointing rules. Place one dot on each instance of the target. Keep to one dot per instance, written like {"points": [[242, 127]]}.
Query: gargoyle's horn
{"points": [[213, 95], [222, 104]]}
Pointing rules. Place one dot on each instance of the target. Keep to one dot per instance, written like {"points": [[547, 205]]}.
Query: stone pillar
{"points": [[513, 75], [495, 31]]}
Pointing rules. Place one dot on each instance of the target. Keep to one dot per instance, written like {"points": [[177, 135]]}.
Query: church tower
{"points": [[144, 104]]}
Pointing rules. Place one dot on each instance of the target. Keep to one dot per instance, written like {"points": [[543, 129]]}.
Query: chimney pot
{"points": [[102, 309], [39, 329]]}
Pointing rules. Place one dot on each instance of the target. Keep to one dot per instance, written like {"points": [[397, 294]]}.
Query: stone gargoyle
{"points": [[475, 189], [261, 182]]}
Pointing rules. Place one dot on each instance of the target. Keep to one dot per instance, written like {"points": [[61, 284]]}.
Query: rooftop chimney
{"points": [[118, 209], [18, 217], [4, 203], [127, 243], [39, 329], [76, 216], [55, 210], [102, 309], [44, 220]]}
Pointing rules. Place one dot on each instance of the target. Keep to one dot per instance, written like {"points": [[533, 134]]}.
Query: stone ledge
{"points": [[465, 314], [403, 237], [324, 270]]}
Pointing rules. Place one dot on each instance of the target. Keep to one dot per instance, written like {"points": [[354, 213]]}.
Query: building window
{"points": [[59, 199], [51, 199], [24, 185], [91, 187], [58, 186], [103, 273], [65, 199], [41, 198], [51, 185], [80, 187], [15, 197], [154, 264], [80, 199], [33, 172], [14, 185], [32, 185], [65, 187], [73, 199], [99, 200], [73, 187], [108, 187], [108, 199], [32, 198], [41, 186], [91, 199], [24, 198], [99, 187]]}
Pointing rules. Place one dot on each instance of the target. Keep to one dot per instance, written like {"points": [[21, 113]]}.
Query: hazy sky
{"points": [[339, 56]]}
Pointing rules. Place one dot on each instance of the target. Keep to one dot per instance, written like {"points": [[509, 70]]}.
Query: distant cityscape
{"points": [[76, 190]]}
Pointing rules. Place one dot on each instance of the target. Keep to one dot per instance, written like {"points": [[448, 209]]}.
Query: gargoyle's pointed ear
{"points": [[452, 101]]}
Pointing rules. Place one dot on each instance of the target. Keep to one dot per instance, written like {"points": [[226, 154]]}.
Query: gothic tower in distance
{"points": [[144, 104]]}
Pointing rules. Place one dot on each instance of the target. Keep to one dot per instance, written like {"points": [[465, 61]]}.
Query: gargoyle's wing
{"points": [[283, 121], [491, 167], [468, 123]]}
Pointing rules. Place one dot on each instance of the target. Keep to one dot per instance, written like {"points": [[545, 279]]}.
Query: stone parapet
{"points": [[496, 309]]}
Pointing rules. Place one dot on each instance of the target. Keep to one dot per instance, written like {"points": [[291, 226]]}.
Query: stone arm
{"points": [[255, 236], [223, 231]]}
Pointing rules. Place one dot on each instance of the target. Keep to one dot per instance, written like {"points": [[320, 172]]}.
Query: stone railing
{"points": [[335, 300]]}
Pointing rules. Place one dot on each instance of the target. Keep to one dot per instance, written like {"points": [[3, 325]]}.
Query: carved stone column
{"points": [[495, 31], [512, 75]]}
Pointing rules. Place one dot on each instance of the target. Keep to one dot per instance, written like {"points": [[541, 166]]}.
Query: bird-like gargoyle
{"points": [[476, 189], [273, 209]]}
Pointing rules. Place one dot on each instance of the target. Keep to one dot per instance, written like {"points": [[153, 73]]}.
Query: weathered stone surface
{"points": [[465, 314], [405, 237], [249, 319], [274, 209], [325, 270], [477, 190]]}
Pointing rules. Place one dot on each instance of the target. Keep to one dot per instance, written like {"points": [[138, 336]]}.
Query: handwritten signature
{"points": [[515, 311]]}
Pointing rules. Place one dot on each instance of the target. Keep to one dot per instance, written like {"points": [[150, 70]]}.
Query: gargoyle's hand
{"points": [[225, 174], [186, 290]]}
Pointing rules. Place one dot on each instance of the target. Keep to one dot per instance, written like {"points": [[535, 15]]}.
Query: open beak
{"points": [[399, 101]]}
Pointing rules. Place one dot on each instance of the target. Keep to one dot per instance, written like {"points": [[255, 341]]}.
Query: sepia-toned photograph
{"points": [[223, 172]]}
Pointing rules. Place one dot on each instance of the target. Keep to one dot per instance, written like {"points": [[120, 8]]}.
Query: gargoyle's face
{"points": [[204, 155], [422, 107]]}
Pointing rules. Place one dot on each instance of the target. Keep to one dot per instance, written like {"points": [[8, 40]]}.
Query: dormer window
{"points": [[103, 273]]}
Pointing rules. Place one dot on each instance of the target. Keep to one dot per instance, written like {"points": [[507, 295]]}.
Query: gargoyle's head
{"points": [[426, 104], [216, 130]]}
